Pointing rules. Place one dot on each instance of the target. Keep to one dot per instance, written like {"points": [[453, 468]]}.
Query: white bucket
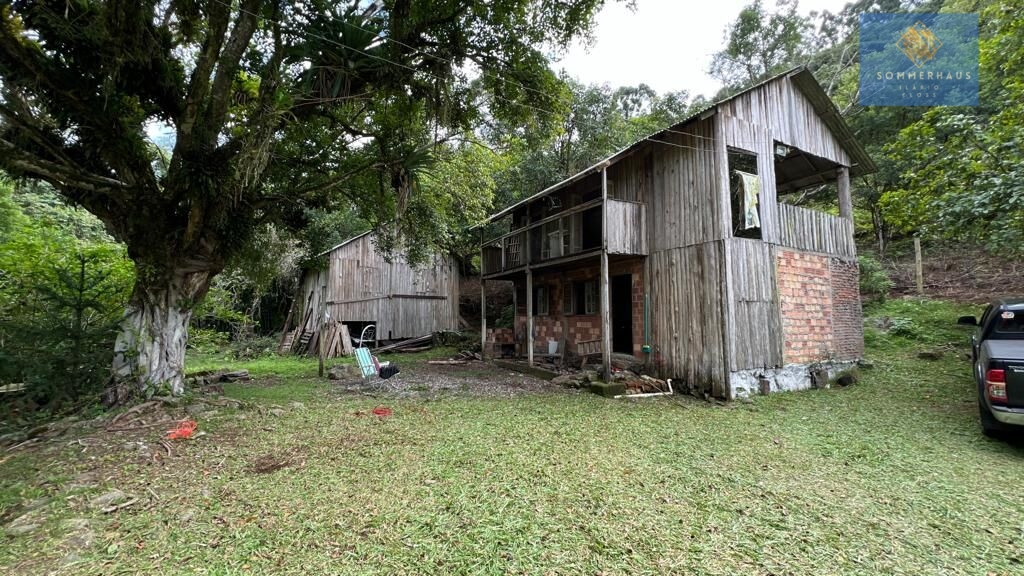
{"points": [[552, 347]]}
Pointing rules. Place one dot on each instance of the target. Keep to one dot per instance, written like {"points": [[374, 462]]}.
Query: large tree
{"points": [[274, 106]]}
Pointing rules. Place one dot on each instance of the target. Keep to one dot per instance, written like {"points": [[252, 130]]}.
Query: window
{"points": [[584, 298], [745, 194], [540, 300]]}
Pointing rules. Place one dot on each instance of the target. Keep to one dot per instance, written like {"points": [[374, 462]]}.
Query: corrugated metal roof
{"points": [[802, 78]]}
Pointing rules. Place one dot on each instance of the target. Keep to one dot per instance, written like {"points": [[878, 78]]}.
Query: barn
{"points": [[358, 287], [687, 250]]}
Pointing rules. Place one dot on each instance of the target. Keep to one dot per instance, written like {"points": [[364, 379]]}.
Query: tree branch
{"points": [[227, 68]]}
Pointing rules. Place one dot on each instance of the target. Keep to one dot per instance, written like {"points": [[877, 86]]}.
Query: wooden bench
{"points": [[586, 348]]}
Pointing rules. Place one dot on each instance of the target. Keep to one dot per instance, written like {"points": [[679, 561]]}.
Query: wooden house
{"points": [[683, 250], [358, 287]]}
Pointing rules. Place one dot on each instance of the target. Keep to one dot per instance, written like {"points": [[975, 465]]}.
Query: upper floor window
{"points": [[744, 194]]}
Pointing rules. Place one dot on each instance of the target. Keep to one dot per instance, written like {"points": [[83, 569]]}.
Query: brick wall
{"points": [[820, 308], [579, 327], [805, 297], [847, 316]]}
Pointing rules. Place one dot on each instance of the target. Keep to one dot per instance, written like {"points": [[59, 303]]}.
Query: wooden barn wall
{"points": [[686, 316], [627, 227], [741, 134], [686, 206], [789, 117], [404, 302], [815, 231], [631, 177], [755, 325]]}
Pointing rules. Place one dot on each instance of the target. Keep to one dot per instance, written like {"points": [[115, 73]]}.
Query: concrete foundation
{"points": [[746, 383]]}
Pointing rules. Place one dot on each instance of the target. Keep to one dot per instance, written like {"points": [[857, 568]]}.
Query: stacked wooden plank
{"points": [[336, 340]]}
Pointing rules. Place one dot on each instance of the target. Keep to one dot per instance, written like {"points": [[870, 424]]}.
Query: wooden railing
{"points": [[569, 233], [815, 231]]}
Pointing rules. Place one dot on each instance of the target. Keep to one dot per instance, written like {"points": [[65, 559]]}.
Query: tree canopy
{"points": [[275, 107]]}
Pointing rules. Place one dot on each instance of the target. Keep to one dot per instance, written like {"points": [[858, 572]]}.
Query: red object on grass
{"points": [[382, 411], [184, 430]]}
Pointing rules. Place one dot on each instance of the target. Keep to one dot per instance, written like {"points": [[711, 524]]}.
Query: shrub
{"points": [[208, 341], [875, 283]]}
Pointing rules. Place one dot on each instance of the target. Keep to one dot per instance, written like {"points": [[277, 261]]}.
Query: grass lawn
{"points": [[889, 476]]}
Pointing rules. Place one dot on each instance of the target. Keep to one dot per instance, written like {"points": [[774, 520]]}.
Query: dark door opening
{"points": [[622, 313]]}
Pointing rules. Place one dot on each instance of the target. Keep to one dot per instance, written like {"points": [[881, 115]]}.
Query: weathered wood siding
{"points": [[789, 117], [686, 316], [403, 301], [686, 206], [755, 325], [627, 227], [631, 177], [815, 231], [743, 135]]}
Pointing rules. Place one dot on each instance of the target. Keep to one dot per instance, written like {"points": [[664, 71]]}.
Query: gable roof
{"points": [[804, 81], [346, 242]]}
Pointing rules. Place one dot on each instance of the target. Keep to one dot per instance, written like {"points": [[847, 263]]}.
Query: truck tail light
{"points": [[995, 386]]}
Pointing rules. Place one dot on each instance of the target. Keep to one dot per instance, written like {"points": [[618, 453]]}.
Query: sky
{"points": [[666, 44]]}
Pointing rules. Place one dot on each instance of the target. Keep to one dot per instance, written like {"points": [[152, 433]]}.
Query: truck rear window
{"points": [[1010, 323]]}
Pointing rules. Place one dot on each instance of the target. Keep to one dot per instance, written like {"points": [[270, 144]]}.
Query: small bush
{"points": [[208, 341], [507, 318], [904, 327], [875, 283]]}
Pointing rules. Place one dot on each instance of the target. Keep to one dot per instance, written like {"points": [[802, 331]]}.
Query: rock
{"points": [[37, 503], [80, 534], [111, 498], [626, 362], [343, 372], [929, 355], [196, 408], [608, 389], [277, 411], [296, 405], [25, 524], [589, 376]]}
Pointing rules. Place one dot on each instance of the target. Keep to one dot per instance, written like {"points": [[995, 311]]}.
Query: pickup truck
{"points": [[997, 356]]}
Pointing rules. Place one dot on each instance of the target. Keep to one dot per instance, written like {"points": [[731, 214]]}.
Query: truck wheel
{"points": [[989, 425]]}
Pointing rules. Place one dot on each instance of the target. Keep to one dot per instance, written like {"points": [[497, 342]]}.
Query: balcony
{"points": [[570, 235]]}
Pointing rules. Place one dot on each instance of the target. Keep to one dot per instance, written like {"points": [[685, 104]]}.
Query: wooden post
{"points": [[918, 268], [606, 313], [323, 325], [845, 200], [529, 316], [483, 298], [483, 316]]}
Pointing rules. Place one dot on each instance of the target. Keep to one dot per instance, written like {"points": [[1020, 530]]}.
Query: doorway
{"points": [[622, 313]]}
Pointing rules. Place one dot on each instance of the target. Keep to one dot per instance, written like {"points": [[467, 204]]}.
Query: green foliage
{"points": [[760, 43], [507, 318], [207, 341], [61, 299], [961, 170], [875, 283]]}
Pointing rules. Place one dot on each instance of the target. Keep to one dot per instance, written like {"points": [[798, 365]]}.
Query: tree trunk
{"points": [[149, 353]]}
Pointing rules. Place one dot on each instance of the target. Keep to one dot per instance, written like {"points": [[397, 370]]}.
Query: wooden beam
{"points": [[529, 317], [845, 200], [483, 302], [606, 313]]}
